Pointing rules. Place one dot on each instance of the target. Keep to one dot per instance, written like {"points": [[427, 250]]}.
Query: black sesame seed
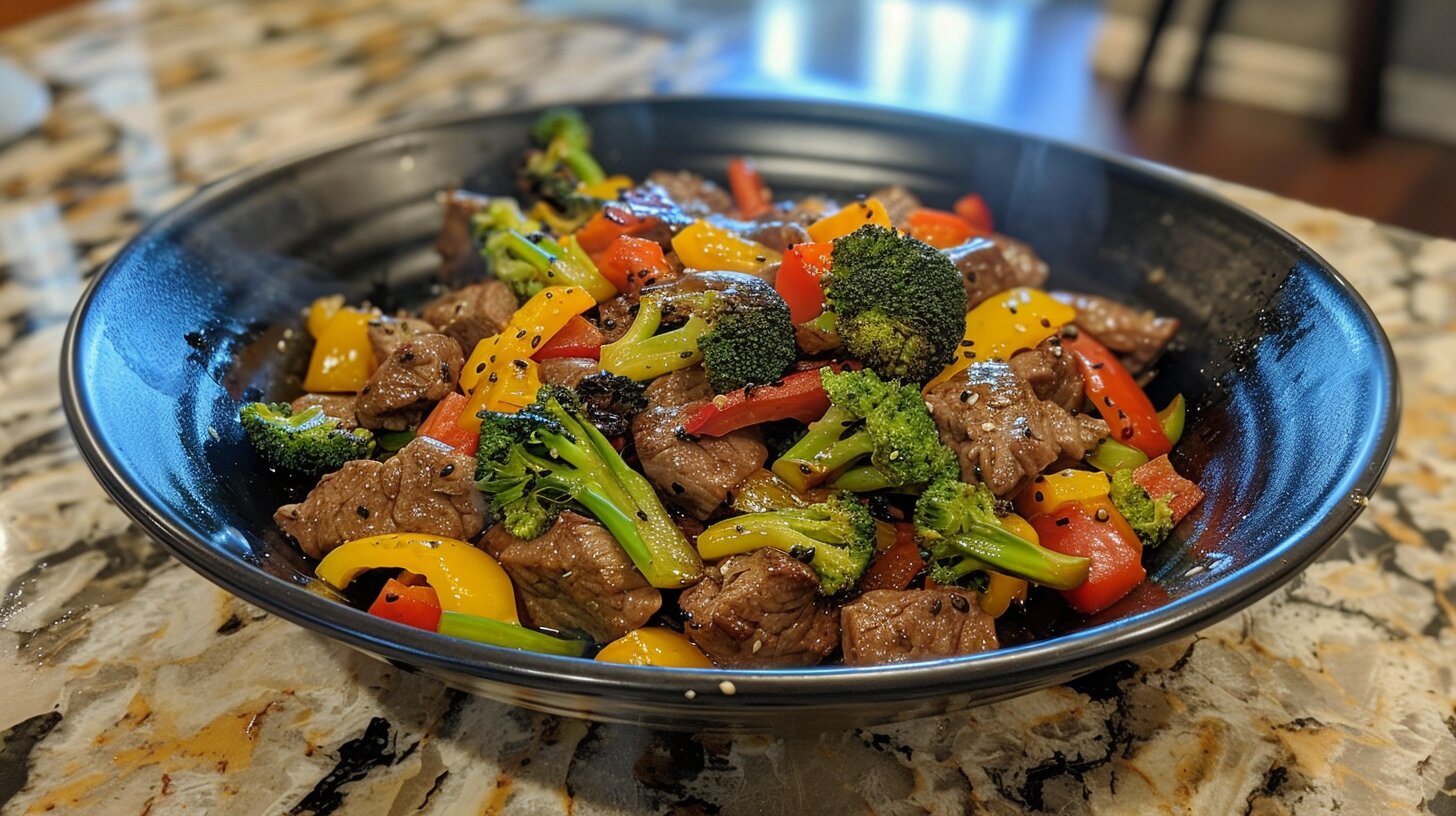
{"points": [[535, 341], [480, 368], [362, 511], [1102, 514], [1040, 496], [642, 515], [960, 603], [1063, 521], [678, 489], [934, 607], [493, 377], [1046, 324]]}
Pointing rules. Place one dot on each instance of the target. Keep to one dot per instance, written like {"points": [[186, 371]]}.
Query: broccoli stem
{"points": [[642, 354], [824, 450], [508, 635], [583, 165], [862, 479], [556, 265], [1006, 552]]}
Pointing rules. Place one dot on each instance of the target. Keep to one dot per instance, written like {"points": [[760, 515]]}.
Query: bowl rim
{"points": [[1024, 666]]}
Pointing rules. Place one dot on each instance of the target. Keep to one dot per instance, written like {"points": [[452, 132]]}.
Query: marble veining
{"points": [[134, 686]]}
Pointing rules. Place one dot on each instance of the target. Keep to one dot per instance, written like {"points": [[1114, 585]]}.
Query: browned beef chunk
{"points": [[338, 406], [575, 577], [1003, 435], [388, 333], [901, 626], [986, 268], [410, 381], [1138, 335], [805, 211], [1030, 268], [614, 317], [696, 195], [426, 488], [695, 474], [472, 313], [898, 201], [1051, 373], [760, 610], [460, 260], [568, 371]]}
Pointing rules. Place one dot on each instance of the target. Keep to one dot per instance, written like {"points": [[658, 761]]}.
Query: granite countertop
{"points": [[133, 685]]}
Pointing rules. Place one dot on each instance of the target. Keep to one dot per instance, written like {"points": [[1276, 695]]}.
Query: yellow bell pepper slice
{"points": [[1003, 589], [607, 189], [466, 579], [1047, 493], [701, 245], [848, 219], [1004, 324], [342, 357], [514, 387], [654, 646], [321, 311]]}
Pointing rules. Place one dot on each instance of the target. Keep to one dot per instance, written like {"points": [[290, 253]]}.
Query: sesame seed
{"points": [[727, 688], [988, 426]]}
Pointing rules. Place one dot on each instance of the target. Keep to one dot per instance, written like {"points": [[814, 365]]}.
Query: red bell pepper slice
{"points": [[1083, 529], [416, 606], [749, 192], [442, 425], [1161, 481], [973, 209], [578, 338], [798, 396], [1124, 406], [631, 263], [939, 228], [798, 279], [897, 566], [614, 221]]}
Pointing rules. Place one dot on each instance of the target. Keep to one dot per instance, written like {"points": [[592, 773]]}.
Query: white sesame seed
{"points": [[975, 398], [727, 688], [988, 426], [757, 644], [690, 694]]}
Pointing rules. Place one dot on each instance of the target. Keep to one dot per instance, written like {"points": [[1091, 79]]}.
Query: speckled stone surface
{"points": [[132, 685]]}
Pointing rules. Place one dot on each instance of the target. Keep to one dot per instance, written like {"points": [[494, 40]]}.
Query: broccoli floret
{"points": [[738, 327], [899, 305], [528, 263], [561, 163], [308, 443], [871, 419], [530, 464], [493, 228], [1151, 519], [836, 538], [610, 401], [960, 535]]}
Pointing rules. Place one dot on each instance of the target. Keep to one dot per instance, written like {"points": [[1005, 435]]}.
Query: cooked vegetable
{"points": [[464, 578], [538, 262], [532, 463], [500, 374], [1047, 493], [939, 228], [960, 534], [847, 219], [876, 434], [443, 424], [1002, 325], [308, 443], [1159, 479], [1151, 518], [610, 401], [654, 646], [342, 358], [899, 305], [701, 245], [321, 311], [973, 209], [898, 565], [799, 396], [632, 263], [835, 537], [1117, 396], [799, 279], [1094, 532], [416, 606], [578, 338], [564, 165], [749, 192], [508, 635], [1112, 456], [740, 333]]}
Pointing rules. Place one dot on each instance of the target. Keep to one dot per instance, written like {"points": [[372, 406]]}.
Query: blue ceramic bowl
{"points": [[1291, 380]]}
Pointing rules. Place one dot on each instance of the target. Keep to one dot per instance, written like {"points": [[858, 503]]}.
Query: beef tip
{"points": [[694, 194], [1003, 435], [338, 406], [902, 626], [388, 333], [805, 211], [411, 379], [898, 201], [575, 577], [1052, 374], [776, 235], [472, 313], [1028, 265], [427, 487], [568, 371], [986, 270], [1138, 335], [460, 260], [615, 316], [760, 610], [696, 474]]}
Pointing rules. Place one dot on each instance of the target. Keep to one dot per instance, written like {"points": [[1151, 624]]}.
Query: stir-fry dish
{"points": [[663, 423]]}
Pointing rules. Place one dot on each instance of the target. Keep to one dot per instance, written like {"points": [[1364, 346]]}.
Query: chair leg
{"points": [[1140, 78], [1192, 84], [1368, 47]]}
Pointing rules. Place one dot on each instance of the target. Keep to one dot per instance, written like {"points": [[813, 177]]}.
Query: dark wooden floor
{"points": [[1396, 180]]}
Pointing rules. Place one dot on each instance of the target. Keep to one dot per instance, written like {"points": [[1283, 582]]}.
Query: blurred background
{"points": [[1345, 103]]}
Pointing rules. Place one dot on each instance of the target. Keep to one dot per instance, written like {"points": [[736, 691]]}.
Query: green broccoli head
{"points": [[737, 326], [1151, 519], [899, 304], [876, 434], [308, 443], [531, 464], [960, 535], [564, 125], [836, 538], [562, 162]]}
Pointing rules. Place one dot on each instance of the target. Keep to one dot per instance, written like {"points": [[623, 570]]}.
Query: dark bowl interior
{"points": [[1290, 378]]}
